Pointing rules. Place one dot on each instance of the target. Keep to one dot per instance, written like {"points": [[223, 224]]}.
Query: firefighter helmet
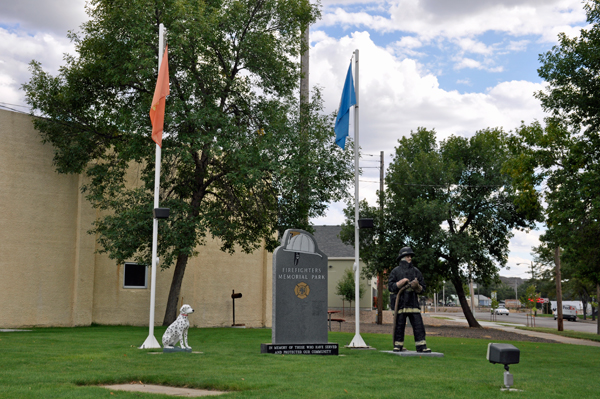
{"points": [[404, 252]]}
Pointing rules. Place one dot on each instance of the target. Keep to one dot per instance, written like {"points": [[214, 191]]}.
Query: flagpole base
{"points": [[358, 343], [150, 343]]}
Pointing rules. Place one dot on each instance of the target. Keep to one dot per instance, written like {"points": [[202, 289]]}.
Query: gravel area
{"points": [[434, 326]]}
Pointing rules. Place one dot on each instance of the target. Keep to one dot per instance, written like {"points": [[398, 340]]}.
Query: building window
{"points": [[135, 276]]}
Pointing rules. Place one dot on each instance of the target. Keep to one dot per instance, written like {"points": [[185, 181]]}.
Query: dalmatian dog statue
{"points": [[178, 330]]}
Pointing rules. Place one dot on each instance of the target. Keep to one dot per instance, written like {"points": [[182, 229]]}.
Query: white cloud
{"points": [[469, 45], [468, 63], [18, 49], [50, 16], [518, 45], [409, 42], [356, 19], [454, 19]]}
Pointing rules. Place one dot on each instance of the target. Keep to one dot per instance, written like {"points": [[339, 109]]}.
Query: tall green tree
{"points": [[561, 160], [229, 164], [455, 207]]}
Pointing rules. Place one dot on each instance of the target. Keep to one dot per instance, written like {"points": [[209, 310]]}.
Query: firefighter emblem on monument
{"points": [[302, 290]]}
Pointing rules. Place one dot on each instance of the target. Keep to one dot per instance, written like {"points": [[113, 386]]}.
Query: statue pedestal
{"points": [[175, 349]]}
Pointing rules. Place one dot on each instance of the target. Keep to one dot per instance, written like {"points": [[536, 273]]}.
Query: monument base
{"points": [[300, 349], [415, 353], [176, 349]]}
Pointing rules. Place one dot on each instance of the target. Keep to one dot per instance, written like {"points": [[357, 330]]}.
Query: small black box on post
{"points": [[366, 223], [503, 353], [161, 213]]}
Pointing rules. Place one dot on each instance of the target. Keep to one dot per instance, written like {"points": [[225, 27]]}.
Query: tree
{"points": [[229, 164], [503, 291], [453, 205], [571, 70], [562, 158], [530, 298], [346, 287]]}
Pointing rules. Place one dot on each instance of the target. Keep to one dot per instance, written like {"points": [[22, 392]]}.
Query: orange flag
{"points": [[157, 111]]}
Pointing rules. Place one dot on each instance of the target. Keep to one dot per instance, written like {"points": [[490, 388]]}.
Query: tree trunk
{"points": [[171, 312], [559, 310], [460, 292], [380, 298], [598, 300]]}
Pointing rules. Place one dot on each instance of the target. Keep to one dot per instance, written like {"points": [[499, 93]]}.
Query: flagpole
{"points": [[357, 341], [151, 342]]}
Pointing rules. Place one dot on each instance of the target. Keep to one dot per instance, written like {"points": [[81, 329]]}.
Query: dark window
{"points": [[135, 276]]}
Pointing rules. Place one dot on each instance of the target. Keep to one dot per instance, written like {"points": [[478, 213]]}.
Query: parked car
{"points": [[501, 311]]}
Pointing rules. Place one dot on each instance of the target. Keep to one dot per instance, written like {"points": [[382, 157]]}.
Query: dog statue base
{"points": [[176, 349]]}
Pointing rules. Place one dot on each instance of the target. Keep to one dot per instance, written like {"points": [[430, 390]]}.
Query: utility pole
{"points": [[559, 309], [444, 293], [304, 66], [597, 308], [471, 289], [304, 144], [380, 272]]}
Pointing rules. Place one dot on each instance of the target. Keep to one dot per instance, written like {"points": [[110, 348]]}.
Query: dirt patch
{"points": [[433, 326]]}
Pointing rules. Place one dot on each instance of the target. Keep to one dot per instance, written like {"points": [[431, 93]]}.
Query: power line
{"points": [[2, 105], [15, 105], [447, 185]]}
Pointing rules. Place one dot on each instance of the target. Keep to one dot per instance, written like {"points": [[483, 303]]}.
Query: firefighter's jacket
{"points": [[409, 299]]}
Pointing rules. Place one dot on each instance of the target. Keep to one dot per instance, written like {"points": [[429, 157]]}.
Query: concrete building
{"points": [[53, 276]]}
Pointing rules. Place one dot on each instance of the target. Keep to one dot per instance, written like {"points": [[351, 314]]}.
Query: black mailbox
{"points": [[503, 353], [161, 213]]}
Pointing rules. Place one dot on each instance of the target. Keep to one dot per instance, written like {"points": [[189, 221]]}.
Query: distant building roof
{"points": [[328, 240]]}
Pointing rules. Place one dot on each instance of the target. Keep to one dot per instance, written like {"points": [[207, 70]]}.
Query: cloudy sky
{"points": [[456, 66]]}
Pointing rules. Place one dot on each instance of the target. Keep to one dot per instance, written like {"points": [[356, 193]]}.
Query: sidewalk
{"points": [[503, 326]]}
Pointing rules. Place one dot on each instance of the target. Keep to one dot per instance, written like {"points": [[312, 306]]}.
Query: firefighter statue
{"points": [[405, 283]]}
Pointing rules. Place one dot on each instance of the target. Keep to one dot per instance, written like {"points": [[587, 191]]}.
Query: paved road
{"points": [[521, 319]]}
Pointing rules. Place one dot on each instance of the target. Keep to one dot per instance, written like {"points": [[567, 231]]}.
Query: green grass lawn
{"points": [[579, 316], [565, 333], [69, 362]]}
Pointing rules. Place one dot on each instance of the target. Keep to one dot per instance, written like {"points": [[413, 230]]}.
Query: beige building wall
{"points": [[337, 267], [52, 276]]}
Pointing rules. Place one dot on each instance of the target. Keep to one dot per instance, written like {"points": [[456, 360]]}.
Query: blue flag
{"points": [[343, 117]]}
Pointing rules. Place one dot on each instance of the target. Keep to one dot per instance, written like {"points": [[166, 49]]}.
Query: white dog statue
{"points": [[178, 330]]}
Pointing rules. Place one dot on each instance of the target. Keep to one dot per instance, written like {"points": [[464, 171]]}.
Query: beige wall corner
{"points": [[39, 216]]}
